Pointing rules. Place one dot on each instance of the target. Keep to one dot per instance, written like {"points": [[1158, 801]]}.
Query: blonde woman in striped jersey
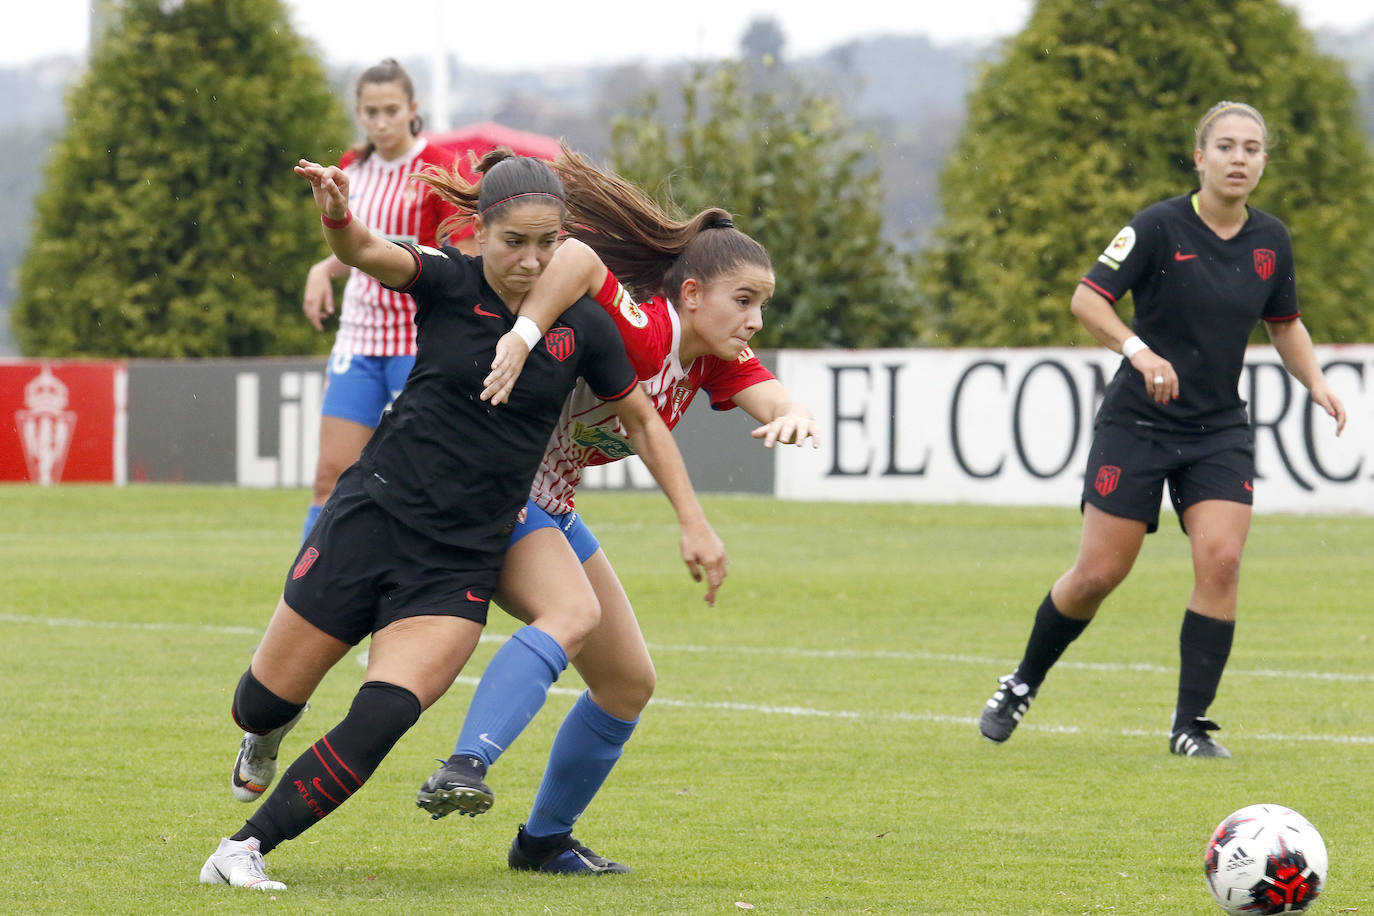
{"points": [[374, 348]]}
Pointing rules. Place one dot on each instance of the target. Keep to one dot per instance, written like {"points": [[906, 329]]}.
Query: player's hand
{"points": [[329, 185], [1326, 399], [318, 304], [1161, 381], [704, 554], [506, 365], [789, 430]]}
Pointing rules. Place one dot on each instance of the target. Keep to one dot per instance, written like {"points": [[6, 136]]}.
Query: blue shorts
{"points": [[361, 388], [579, 536]]}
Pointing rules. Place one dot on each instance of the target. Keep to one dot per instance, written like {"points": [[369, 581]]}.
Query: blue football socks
{"points": [[588, 744], [512, 690]]}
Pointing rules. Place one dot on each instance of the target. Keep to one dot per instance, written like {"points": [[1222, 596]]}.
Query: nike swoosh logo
{"points": [[1249, 486], [485, 314], [485, 740], [1180, 256], [472, 597]]}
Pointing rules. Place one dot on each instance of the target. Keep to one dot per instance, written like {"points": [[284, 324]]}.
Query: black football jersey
{"points": [[443, 461], [1197, 298]]}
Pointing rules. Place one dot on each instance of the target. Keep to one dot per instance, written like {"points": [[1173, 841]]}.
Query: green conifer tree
{"points": [[796, 177], [1089, 117], [170, 223]]}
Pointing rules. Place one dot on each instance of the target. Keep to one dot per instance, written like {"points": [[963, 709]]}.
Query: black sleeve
{"points": [[1127, 258], [435, 272], [605, 365]]}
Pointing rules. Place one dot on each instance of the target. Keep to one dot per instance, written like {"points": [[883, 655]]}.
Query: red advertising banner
{"points": [[63, 421]]}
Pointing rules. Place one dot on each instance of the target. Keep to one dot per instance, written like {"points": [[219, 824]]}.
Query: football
{"points": [[1265, 859]]}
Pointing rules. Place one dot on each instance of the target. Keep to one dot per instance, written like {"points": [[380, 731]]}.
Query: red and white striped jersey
{"points": [[589, 433], [375, 321]]}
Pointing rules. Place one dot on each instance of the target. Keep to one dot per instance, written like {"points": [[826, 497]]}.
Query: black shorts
{"points": [[1127, 468], [361, 569]]}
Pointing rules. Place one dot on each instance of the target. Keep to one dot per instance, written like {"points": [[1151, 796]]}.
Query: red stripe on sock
{"points": [[324, 763], [336, 756]]}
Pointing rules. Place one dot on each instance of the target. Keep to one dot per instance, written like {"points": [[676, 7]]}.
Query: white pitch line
{"points": [[939, 718], [785, 651], [916, 656], [797, 711]]}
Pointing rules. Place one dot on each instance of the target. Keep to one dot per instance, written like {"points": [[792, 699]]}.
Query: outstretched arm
{"points": [[784, 420], [1299, 357], [702, 551], [574, 271], [353, 243]]}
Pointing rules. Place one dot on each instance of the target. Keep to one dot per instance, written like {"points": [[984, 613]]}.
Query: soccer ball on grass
{"points": [[1265, 859]]}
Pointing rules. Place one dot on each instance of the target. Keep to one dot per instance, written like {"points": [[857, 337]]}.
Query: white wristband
{"points": [[1133, 345], [528, 331]]}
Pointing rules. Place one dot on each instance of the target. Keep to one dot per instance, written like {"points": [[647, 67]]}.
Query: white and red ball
{"points": [[1265, 859]]}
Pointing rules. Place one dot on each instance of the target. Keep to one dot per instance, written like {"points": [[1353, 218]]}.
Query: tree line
{"points": [[169, 223]]}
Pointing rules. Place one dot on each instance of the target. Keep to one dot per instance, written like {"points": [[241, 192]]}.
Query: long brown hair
{"points": [[388, 71], [647, 249], [504, 180]]}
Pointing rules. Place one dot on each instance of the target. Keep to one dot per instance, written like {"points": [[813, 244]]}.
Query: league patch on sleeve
{"points": [[1119, 249], [631, 312], [425, 249]]}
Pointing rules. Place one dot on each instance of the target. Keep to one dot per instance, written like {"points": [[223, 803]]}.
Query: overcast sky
{"points": [[541, 33]]}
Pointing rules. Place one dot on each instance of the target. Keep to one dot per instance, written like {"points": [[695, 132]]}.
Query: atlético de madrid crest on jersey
{"points": [[560, 344], [1264, 263]]}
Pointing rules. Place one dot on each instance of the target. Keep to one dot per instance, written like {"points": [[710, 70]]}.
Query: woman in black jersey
{"points": [[1203, 268], [411, 542]]}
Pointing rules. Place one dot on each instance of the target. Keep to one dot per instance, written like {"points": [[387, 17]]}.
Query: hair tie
{"points": [[721, 222]]}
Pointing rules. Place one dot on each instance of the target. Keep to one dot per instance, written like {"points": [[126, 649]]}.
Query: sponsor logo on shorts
{"points": [[1264, 263], [472, 597], [306, 561], [1249, 487], [560, 343], [1108, 476]]}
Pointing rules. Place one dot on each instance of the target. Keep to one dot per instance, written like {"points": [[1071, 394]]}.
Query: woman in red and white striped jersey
{"points": [[374, 348], [694, 295]]}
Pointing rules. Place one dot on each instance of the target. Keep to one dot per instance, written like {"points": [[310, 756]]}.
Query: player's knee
{"points": [[578, 617], [1092, 584], [628, 694], [1219, 564]]}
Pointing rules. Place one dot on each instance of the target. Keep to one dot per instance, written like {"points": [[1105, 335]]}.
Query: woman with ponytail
{"points": [[410, 544], [693, 296]]}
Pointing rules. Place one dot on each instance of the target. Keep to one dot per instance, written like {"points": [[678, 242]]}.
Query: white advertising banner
{"points": [[1012, 427]]}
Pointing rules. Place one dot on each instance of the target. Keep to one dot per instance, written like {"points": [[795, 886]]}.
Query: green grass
{"points": [[812, 746]]}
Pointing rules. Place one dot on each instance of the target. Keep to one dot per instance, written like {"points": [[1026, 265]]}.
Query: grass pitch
{"points": [[811, 748]]}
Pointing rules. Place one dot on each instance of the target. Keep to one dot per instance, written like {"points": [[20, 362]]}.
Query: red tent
{"points": [[488, 135]]}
